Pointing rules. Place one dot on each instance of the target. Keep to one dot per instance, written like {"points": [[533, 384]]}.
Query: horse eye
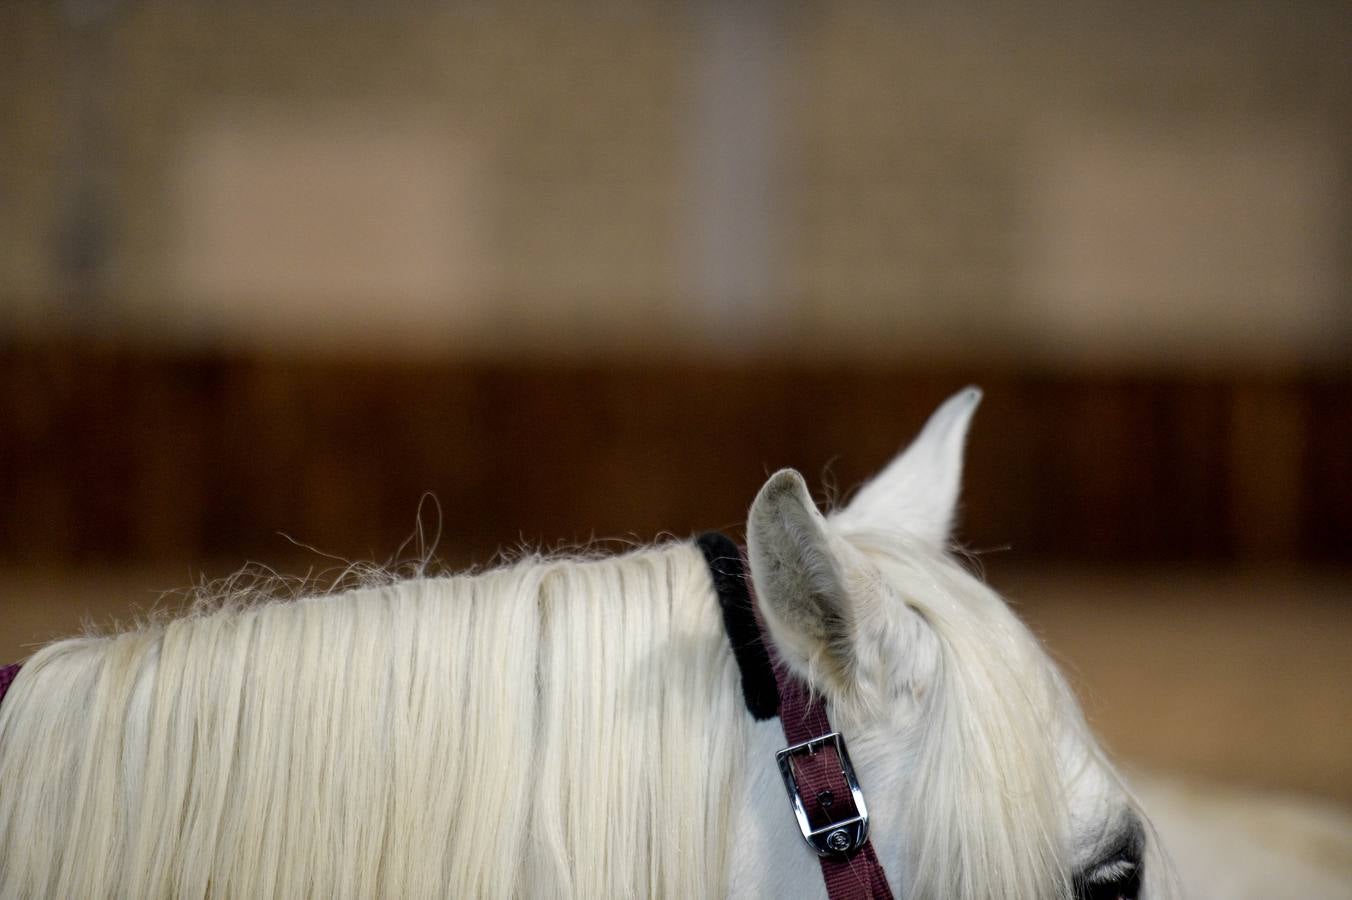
{"points": [[1118, 881]]}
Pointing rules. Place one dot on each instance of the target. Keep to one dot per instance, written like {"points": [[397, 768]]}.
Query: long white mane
{"points": [[554, 728]]}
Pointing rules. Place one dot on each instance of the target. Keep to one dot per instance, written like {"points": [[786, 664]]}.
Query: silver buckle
{"points": [[836, 838]]}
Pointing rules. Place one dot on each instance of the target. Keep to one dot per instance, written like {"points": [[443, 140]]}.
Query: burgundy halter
{"points": [[823, 791], [7, 676]]}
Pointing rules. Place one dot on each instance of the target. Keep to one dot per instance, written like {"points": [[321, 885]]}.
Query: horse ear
{"points": [[799, 582], [917, 493]]}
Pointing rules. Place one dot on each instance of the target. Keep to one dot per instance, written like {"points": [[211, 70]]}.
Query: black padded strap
{"points": [[739, 620]]}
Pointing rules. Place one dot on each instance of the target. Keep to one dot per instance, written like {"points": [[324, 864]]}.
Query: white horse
{"points": [[573, 727]]}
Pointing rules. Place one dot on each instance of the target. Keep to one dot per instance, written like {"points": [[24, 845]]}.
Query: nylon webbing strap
{"points": [[826, 795], [821, 783]]}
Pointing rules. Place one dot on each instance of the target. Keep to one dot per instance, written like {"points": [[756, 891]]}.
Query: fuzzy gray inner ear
{"points": [[798, 580]]}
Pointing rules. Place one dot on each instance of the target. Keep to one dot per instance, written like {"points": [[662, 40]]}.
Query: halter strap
{"points": [[760, 685], [815, 765], [7, 676]]}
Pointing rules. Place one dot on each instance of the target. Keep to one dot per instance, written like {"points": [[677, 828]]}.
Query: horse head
{"points": [[981, 775]]}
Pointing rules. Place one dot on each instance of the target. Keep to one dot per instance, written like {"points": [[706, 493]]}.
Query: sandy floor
{"points": [[1241, 678]]}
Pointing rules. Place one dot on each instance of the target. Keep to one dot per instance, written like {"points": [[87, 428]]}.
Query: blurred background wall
{"points": [[595, 269], [1160, 184]]}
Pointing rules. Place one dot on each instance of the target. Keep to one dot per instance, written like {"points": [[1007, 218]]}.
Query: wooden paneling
{"points": [[113, 454]]}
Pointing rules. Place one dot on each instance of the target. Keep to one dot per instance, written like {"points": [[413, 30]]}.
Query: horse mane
{"points": [[555, 727]]}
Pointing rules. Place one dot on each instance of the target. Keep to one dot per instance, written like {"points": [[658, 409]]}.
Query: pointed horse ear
{"points": [[917, 494], [800, 582]]}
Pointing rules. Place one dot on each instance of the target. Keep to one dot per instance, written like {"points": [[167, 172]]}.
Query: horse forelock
{"points": [[987, 808]]}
